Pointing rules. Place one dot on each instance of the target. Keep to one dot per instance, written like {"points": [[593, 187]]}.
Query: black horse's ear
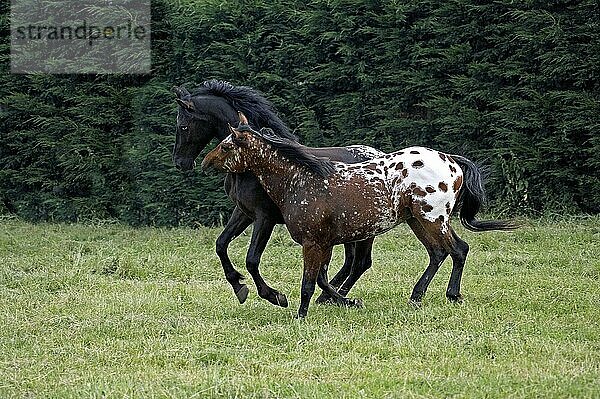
{"points": [[180, 91], [186, 104]]}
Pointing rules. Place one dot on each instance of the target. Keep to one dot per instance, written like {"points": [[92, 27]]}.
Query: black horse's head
{"points": [[207, 112], [199, 120]]}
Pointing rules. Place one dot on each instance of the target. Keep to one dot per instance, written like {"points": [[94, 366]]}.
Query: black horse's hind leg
{"points": [[335, 296], [341, 275], [263, 227], [458, 252], [437, 255], [235, 226], [362, 263]]}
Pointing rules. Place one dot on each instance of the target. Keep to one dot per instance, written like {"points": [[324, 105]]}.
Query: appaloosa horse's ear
{"points": [[243, 119], [230, 128], [186, 104], [239, 138], [180, 91]]}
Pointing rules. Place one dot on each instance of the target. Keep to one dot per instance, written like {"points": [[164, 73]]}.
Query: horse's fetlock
{"points": [[252, 264], [454, 298]]}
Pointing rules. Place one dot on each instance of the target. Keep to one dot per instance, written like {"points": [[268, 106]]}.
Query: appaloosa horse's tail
{"points": [[471, 198]]}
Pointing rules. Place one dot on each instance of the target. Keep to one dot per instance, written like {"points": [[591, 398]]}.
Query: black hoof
{"points": [[300, 316], [455, 298], [324, 299], [280, 300], [354, 303], [275, 297], [242, 293]]}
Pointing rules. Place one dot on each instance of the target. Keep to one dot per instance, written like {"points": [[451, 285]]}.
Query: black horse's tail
{"points": [[472, 196]]}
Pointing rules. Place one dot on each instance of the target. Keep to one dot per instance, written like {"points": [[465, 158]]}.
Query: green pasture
{"points": [[104, 310]]}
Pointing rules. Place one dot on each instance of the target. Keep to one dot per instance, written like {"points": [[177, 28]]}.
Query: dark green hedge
{"points": [[515, 85]]}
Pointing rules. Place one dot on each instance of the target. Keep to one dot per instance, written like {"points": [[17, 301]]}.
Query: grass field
{"points": [[111, 311]]}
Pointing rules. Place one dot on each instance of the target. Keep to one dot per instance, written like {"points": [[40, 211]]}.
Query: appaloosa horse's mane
{"points": [[293, 151], [259, 111]]}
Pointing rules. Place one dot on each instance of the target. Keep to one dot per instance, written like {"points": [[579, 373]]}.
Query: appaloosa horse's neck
{"points": [[278, 177]]}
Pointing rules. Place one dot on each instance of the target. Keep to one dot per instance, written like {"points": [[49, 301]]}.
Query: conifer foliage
{"points": [[515, 85]]}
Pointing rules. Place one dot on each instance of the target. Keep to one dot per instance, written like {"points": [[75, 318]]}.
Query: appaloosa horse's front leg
{"points": [[238, 222], [316, 260], [263, 227], [358, 261], [315, 257], [336, 297]]}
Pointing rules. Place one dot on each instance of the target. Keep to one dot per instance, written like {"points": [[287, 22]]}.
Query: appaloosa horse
{"points": [[325, 203], [205, 115]]}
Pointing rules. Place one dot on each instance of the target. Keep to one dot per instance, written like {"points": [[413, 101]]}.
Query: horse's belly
{"points": [[359, 226]]}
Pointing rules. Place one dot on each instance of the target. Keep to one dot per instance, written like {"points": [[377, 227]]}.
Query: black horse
{"points": [[204, 115]]}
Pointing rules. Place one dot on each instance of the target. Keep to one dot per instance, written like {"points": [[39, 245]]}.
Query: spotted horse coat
{"points": [[326, 203]]}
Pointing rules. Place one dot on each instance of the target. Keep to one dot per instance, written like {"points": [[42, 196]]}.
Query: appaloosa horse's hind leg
{"points": [[261, 232], [440, 240], [459, 252], [238, 222], [433, 242]]}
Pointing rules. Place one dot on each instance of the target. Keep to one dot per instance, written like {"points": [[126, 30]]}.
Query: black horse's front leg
{"points": [[238, 222], [263, 228]]}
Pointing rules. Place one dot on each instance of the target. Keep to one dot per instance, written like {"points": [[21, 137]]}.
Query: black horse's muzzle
{"points": [[184, 164]]}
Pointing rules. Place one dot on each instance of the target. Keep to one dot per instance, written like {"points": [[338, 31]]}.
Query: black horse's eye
{"points": [[183, 128]]}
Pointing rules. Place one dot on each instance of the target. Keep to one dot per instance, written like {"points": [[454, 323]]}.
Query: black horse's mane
{"points": [[259, 111], [293, 151]]}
